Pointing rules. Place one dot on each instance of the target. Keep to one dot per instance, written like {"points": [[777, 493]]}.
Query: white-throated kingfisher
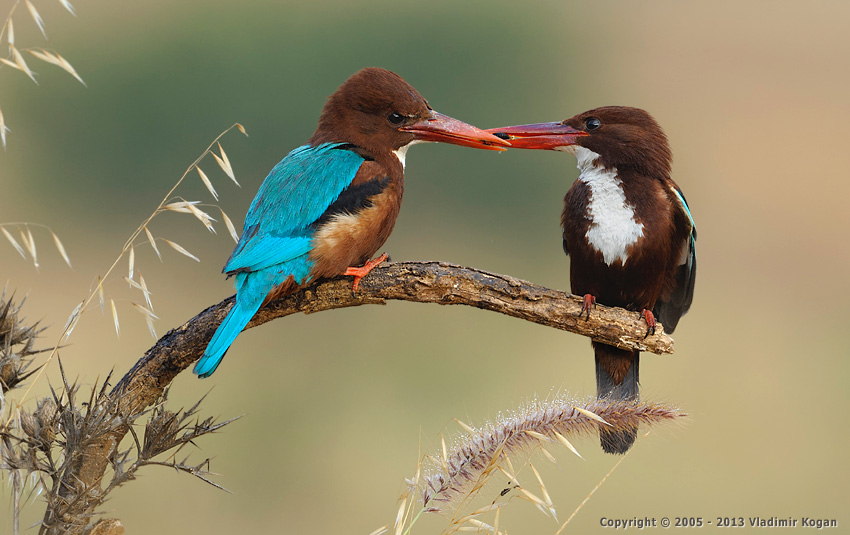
{"points": [[332, 203], [627, 230]]}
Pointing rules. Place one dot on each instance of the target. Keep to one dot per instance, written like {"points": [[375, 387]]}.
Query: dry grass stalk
{"points": [[587, 498], [224, 163], [230, 228], [28, 240], [13, 241], [205, 179], [36, 17], [3, 129], [67, 5], [16, 60], [55, 59], [168, 204]]}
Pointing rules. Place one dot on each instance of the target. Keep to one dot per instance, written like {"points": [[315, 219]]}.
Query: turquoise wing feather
{"points": [[295, 194], [275, 242]]}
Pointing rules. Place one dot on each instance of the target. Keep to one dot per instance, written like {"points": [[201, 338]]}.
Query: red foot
{"points": [[650, 321], [589, 302], [360, 272]]}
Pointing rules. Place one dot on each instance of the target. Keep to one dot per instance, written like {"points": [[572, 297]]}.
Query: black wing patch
{"points": [[353, 199], [360, 151], [669, 312]]}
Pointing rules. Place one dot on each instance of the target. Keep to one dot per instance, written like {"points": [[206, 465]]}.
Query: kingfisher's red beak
{"points": [[444, 129], [546, 136]]}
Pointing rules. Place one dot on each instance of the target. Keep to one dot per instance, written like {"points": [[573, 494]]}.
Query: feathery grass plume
{"points": [[16, 60], [477, 455]]}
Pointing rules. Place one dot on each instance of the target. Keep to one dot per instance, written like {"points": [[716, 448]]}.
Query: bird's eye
{"points": [[592, 123], [395, 118]]}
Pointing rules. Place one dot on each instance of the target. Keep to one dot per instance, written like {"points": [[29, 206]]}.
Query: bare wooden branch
{"points": [[422, 282]]}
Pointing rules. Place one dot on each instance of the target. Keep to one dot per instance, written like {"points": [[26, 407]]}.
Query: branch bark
{"points": [[422, 282]]}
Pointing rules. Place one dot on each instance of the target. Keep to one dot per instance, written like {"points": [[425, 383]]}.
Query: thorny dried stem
{"points": [[41, 450], [49, 443], [17, 346]]}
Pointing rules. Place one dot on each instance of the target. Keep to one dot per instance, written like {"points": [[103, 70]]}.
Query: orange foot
{"points": [[589, 302], [650, 321], [360, 272]]}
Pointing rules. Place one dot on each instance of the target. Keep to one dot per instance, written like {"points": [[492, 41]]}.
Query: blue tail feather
{"points": [[251, 290], [236, 320]]}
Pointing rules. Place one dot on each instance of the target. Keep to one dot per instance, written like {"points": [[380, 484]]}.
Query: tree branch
{"points": [[422, 282]]}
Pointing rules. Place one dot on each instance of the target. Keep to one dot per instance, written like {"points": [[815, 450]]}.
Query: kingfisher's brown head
{"points": [[618, 137], [377, 110]]}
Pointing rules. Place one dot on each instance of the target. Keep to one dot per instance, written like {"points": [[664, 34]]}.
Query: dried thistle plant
{"points": [[17, 346], [15, 58], [166, 432], [451, 478], [38, 449]]}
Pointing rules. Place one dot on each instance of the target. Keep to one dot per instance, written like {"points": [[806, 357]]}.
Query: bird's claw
{"points": [[650, 321], [588, 303], [359, 272]]}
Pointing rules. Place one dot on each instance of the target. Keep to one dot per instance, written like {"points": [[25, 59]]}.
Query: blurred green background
{"points": [[339, 405]]}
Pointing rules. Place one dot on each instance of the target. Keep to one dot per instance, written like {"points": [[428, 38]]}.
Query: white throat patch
{"points": [[613, 228], [401, 152]]}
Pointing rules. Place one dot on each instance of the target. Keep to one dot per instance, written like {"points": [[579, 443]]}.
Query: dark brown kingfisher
{"points": [[627, 229], [330, 204]]}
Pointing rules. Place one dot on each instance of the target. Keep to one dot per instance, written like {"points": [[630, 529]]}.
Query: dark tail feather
{"points": [[617, 377]]}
